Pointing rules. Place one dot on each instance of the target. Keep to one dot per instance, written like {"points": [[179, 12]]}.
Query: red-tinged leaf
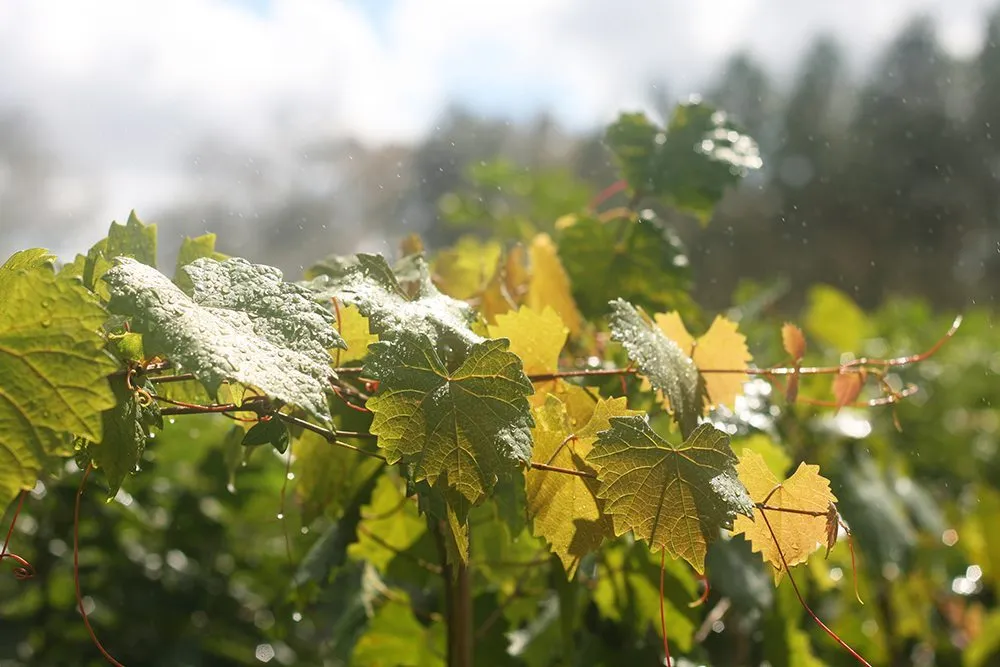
{"points": [[847, 386], [832, 528]]}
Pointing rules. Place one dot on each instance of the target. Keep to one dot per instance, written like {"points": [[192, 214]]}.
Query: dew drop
{"points": [[280, 516]]}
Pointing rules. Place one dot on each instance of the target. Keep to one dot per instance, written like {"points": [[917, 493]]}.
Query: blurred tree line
{"points": [[883, 186]]}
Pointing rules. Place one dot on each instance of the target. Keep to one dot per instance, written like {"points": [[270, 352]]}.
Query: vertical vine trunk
{"points": [[458, 602]]}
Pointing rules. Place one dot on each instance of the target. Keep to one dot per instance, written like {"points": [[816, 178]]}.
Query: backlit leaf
{"points": [[125, 431], [793, 340], [398, 301], [192, 249], [390, 525], [565, 508], [395, 638], [353, 328], [835, 319], [53, 367], [134, 239], [549, 285], [667, 367], [847, 387], [722, 347], [242, 323], [675, 497], [798, 535], [464, 269], [328, 476], [467, 425]]}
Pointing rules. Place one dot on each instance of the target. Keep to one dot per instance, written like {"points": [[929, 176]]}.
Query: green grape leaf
{"points": [[242, 323], [192, 249], [409, 303], [395, 638], [134, 239], [390, 525], [635, 259], [53, 367], [675, 497], [125, 431], [272, 432], [835, 319], [328, 476], [691, 164], [668, 368], [466, 426]]}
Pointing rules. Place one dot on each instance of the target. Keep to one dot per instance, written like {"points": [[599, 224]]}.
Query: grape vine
{"points": [[545, 400]]}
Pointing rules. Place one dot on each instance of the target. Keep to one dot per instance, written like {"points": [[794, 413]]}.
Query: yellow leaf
{"points": [[564, 508], [798, 534], [793, 340], [464, 270], [535, 336], [353, 327], [549, 285], [773, 454], [722, 347], [507, 286]]}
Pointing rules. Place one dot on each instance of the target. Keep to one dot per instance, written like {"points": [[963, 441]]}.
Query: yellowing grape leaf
{"points": [[53, 368], [537, 336], [353, 328], [722, 347], [549, 285], [565, 508], [464, 269], [467, 425], [667, 367], [675, 497], [799, 535], [835, 319], [508, 285]]}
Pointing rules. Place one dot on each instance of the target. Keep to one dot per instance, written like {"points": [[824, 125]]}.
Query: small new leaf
{"points": [[468, 425], [675, 497], [847, 387], [799, 518], [794, 341], [241, 323], [271, 432], [667, 367]]}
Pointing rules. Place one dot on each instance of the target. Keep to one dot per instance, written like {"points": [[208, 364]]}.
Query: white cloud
{"points": [[123, 89]]}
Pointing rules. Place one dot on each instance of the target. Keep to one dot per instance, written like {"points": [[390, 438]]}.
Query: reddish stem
{"points": [[25, 569], [76, 569], [833, 635], [608, 192]]}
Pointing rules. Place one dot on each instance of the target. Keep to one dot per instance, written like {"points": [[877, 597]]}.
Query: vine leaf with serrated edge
{"points": [[242, 323], [565, 509], [798, 535], [126, 428], [466, 426], [53, 367], [674, 497], [394, 303], [549, 285], [722, 347], [667, 367], [134, 239]]}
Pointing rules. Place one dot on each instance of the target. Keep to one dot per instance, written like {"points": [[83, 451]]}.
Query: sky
{"points": [[120, 91]]}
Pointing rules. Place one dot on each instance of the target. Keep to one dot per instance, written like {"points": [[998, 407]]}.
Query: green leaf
{"points": [[690, 165], [466, 426], [271, 432], [125, 431], [391, 524], [192, 249], [408, 304], [395, 638], [835, 319], [667, 367], [242, 323], [53, 368], [635, 259], [328, 476], [675, 497], [134, 239]]}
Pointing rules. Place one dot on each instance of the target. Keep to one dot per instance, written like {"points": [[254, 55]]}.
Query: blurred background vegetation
{"points": [[885, 188]]}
